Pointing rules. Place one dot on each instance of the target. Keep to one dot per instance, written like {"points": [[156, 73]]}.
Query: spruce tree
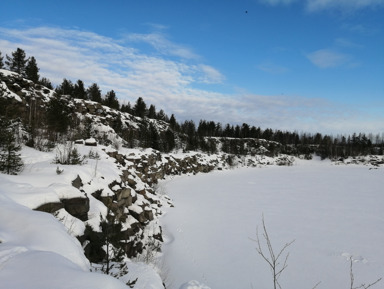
{"points": [[17, 63], [10, 160], [32, 71]]}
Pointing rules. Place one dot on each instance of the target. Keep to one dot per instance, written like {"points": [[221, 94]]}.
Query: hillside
{"points": [[109, 182], [96, 169]]}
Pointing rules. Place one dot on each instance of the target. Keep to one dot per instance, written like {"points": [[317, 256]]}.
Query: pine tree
{"points": [[152, 112], [172, 122], [126, 108], [140, 108], [114, 261], [32, 71], [65, 88], [10, 160], [79, 90], [111, 100], [169, 141], [94, 93], [46, 82], [57, 115], [1, 61], [154, 137], [17, 63]]}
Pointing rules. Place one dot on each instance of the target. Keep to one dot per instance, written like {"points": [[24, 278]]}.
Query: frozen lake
{"points": [[332, 213]]}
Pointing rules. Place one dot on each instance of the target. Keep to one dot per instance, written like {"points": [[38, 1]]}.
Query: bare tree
{"points": [[269, 255], [274, 260], [364, 286]]}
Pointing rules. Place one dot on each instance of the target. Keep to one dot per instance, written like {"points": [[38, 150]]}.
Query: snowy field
{"points": [[332, 212]]}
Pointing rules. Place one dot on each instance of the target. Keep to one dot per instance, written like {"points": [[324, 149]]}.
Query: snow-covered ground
{"points": [[37, 251], [332, 212]]}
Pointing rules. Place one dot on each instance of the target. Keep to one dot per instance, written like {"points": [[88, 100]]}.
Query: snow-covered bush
{"points": [[67, 154]]}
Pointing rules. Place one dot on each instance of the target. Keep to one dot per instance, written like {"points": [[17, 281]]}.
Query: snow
{"points": [[332, 212], [39, 251], [36, 252], [6, 72]]}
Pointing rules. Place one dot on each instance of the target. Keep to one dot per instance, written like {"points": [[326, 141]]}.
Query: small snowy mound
{"points": [[36, 252], [194, 285]]}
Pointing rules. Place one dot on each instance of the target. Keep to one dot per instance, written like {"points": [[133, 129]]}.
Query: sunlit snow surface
{"points": [[36, 250], [332, 212]]}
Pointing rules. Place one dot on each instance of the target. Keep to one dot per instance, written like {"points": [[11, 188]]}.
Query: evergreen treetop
{"points": [[140, 108], [32, 71], [79, 90], [17, 63], [111, 100], [46, 82], [94, 93], [65, 88]]}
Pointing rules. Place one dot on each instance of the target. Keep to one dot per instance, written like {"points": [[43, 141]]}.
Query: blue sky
{"points": [[305, 65]]}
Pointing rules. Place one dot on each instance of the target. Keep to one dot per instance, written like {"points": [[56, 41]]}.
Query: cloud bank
{"points": [[173, 78]]}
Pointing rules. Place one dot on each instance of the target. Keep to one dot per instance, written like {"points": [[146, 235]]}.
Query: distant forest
{"points": [[202, 136]]}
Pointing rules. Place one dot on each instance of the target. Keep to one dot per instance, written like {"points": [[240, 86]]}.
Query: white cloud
{"points": [[163, 45], [172, 84], [328, 58], [210, 74]]}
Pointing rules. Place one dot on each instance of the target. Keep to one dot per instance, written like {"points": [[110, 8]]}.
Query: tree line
{"points": [[196, 136]]}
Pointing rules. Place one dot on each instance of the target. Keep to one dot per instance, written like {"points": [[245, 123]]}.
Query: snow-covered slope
{"points": [[38, 250]]}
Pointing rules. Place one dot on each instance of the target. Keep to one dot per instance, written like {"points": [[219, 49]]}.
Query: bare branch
{"points": [[270, 257], [352, 277]]}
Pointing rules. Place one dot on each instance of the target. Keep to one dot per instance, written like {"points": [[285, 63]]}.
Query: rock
{"points": [[77, 207], [133, 248], [124, 197], [77, 183], [139, 216], [91, 142], [50, 207]]}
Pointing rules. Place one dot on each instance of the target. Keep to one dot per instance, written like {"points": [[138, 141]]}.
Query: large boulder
{"points": [[77, 207]]}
